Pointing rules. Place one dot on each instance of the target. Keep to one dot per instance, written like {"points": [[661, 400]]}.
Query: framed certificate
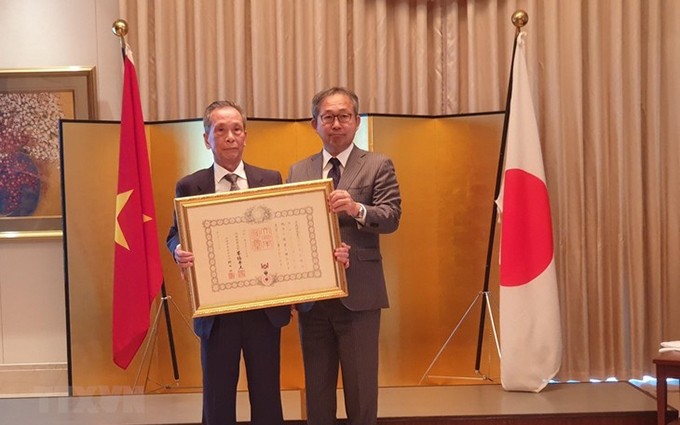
{"points": [[261, 247]]}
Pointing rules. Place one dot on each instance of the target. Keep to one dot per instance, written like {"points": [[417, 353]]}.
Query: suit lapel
{"points": [[254, 178], [257, 177], [355, 163], [205, 183], [315, 168]]}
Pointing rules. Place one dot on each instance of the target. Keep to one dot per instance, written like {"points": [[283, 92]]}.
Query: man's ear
{"points": [[206, 141]]}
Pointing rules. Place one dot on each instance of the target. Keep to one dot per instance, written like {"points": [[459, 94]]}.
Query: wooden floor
{"points": [[618, 403]]}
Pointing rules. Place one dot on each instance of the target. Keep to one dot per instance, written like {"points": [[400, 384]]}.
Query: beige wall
{"points": [[46, 34], [63, 33], [32, 316]]}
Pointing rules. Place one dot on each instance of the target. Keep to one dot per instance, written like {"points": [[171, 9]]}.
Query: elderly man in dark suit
{"points": [[258, 332], [345, 331]]}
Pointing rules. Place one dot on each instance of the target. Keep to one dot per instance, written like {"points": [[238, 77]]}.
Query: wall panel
{"points": [[434, 263]]}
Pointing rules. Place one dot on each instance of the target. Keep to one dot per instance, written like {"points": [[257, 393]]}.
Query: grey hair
{"points": [[320, 96], [219, 104]]}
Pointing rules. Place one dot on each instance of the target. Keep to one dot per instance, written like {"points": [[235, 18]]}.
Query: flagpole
{"points": [[171, 339], [120, 29], [519, 19]]}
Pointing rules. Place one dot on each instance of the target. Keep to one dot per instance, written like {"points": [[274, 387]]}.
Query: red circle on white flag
{"points": [[526, 235]]}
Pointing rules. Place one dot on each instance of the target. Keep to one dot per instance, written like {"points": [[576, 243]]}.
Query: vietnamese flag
{"points": [[137, 276], [531, 337]]}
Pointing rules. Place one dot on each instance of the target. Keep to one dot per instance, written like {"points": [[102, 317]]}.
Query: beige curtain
{"points": [[607, 94]]}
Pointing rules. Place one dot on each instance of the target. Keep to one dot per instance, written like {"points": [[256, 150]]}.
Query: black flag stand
{"points": [[151, 338], [519, 19]]}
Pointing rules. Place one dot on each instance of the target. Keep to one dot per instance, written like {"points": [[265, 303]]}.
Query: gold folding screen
{"points": [[435, 262]]}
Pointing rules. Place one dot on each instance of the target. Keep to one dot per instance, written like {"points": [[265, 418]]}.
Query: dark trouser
{"points": [[260, 341], [334, 336]]}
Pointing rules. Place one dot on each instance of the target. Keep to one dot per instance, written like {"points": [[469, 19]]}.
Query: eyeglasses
{"points": [[330, 118]]}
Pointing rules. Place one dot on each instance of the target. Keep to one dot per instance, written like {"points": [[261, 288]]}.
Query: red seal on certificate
{"points": [[267, 280]]}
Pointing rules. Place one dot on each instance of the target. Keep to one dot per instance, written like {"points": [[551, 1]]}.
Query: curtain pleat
{"points": [[668, 125], [604, 79]]}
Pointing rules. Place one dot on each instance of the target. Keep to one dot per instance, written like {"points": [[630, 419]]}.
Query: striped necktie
{"points": [[232, 178], [334, 172]]}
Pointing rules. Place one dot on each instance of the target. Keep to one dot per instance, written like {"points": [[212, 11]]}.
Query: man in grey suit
{"points": [[344, 332]]}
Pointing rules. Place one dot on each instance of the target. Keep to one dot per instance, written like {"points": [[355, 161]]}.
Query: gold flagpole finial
{"points": [[120, 29], [519, 19]]}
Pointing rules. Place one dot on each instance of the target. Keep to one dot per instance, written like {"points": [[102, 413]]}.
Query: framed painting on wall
{"points": [[32, 103]]}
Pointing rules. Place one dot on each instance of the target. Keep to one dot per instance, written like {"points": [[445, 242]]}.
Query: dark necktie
{"points": [[231, 178], [334, 172]]}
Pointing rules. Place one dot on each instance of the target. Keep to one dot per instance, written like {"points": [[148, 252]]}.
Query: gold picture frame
{"points": [[32, 103], [261, 247]]}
